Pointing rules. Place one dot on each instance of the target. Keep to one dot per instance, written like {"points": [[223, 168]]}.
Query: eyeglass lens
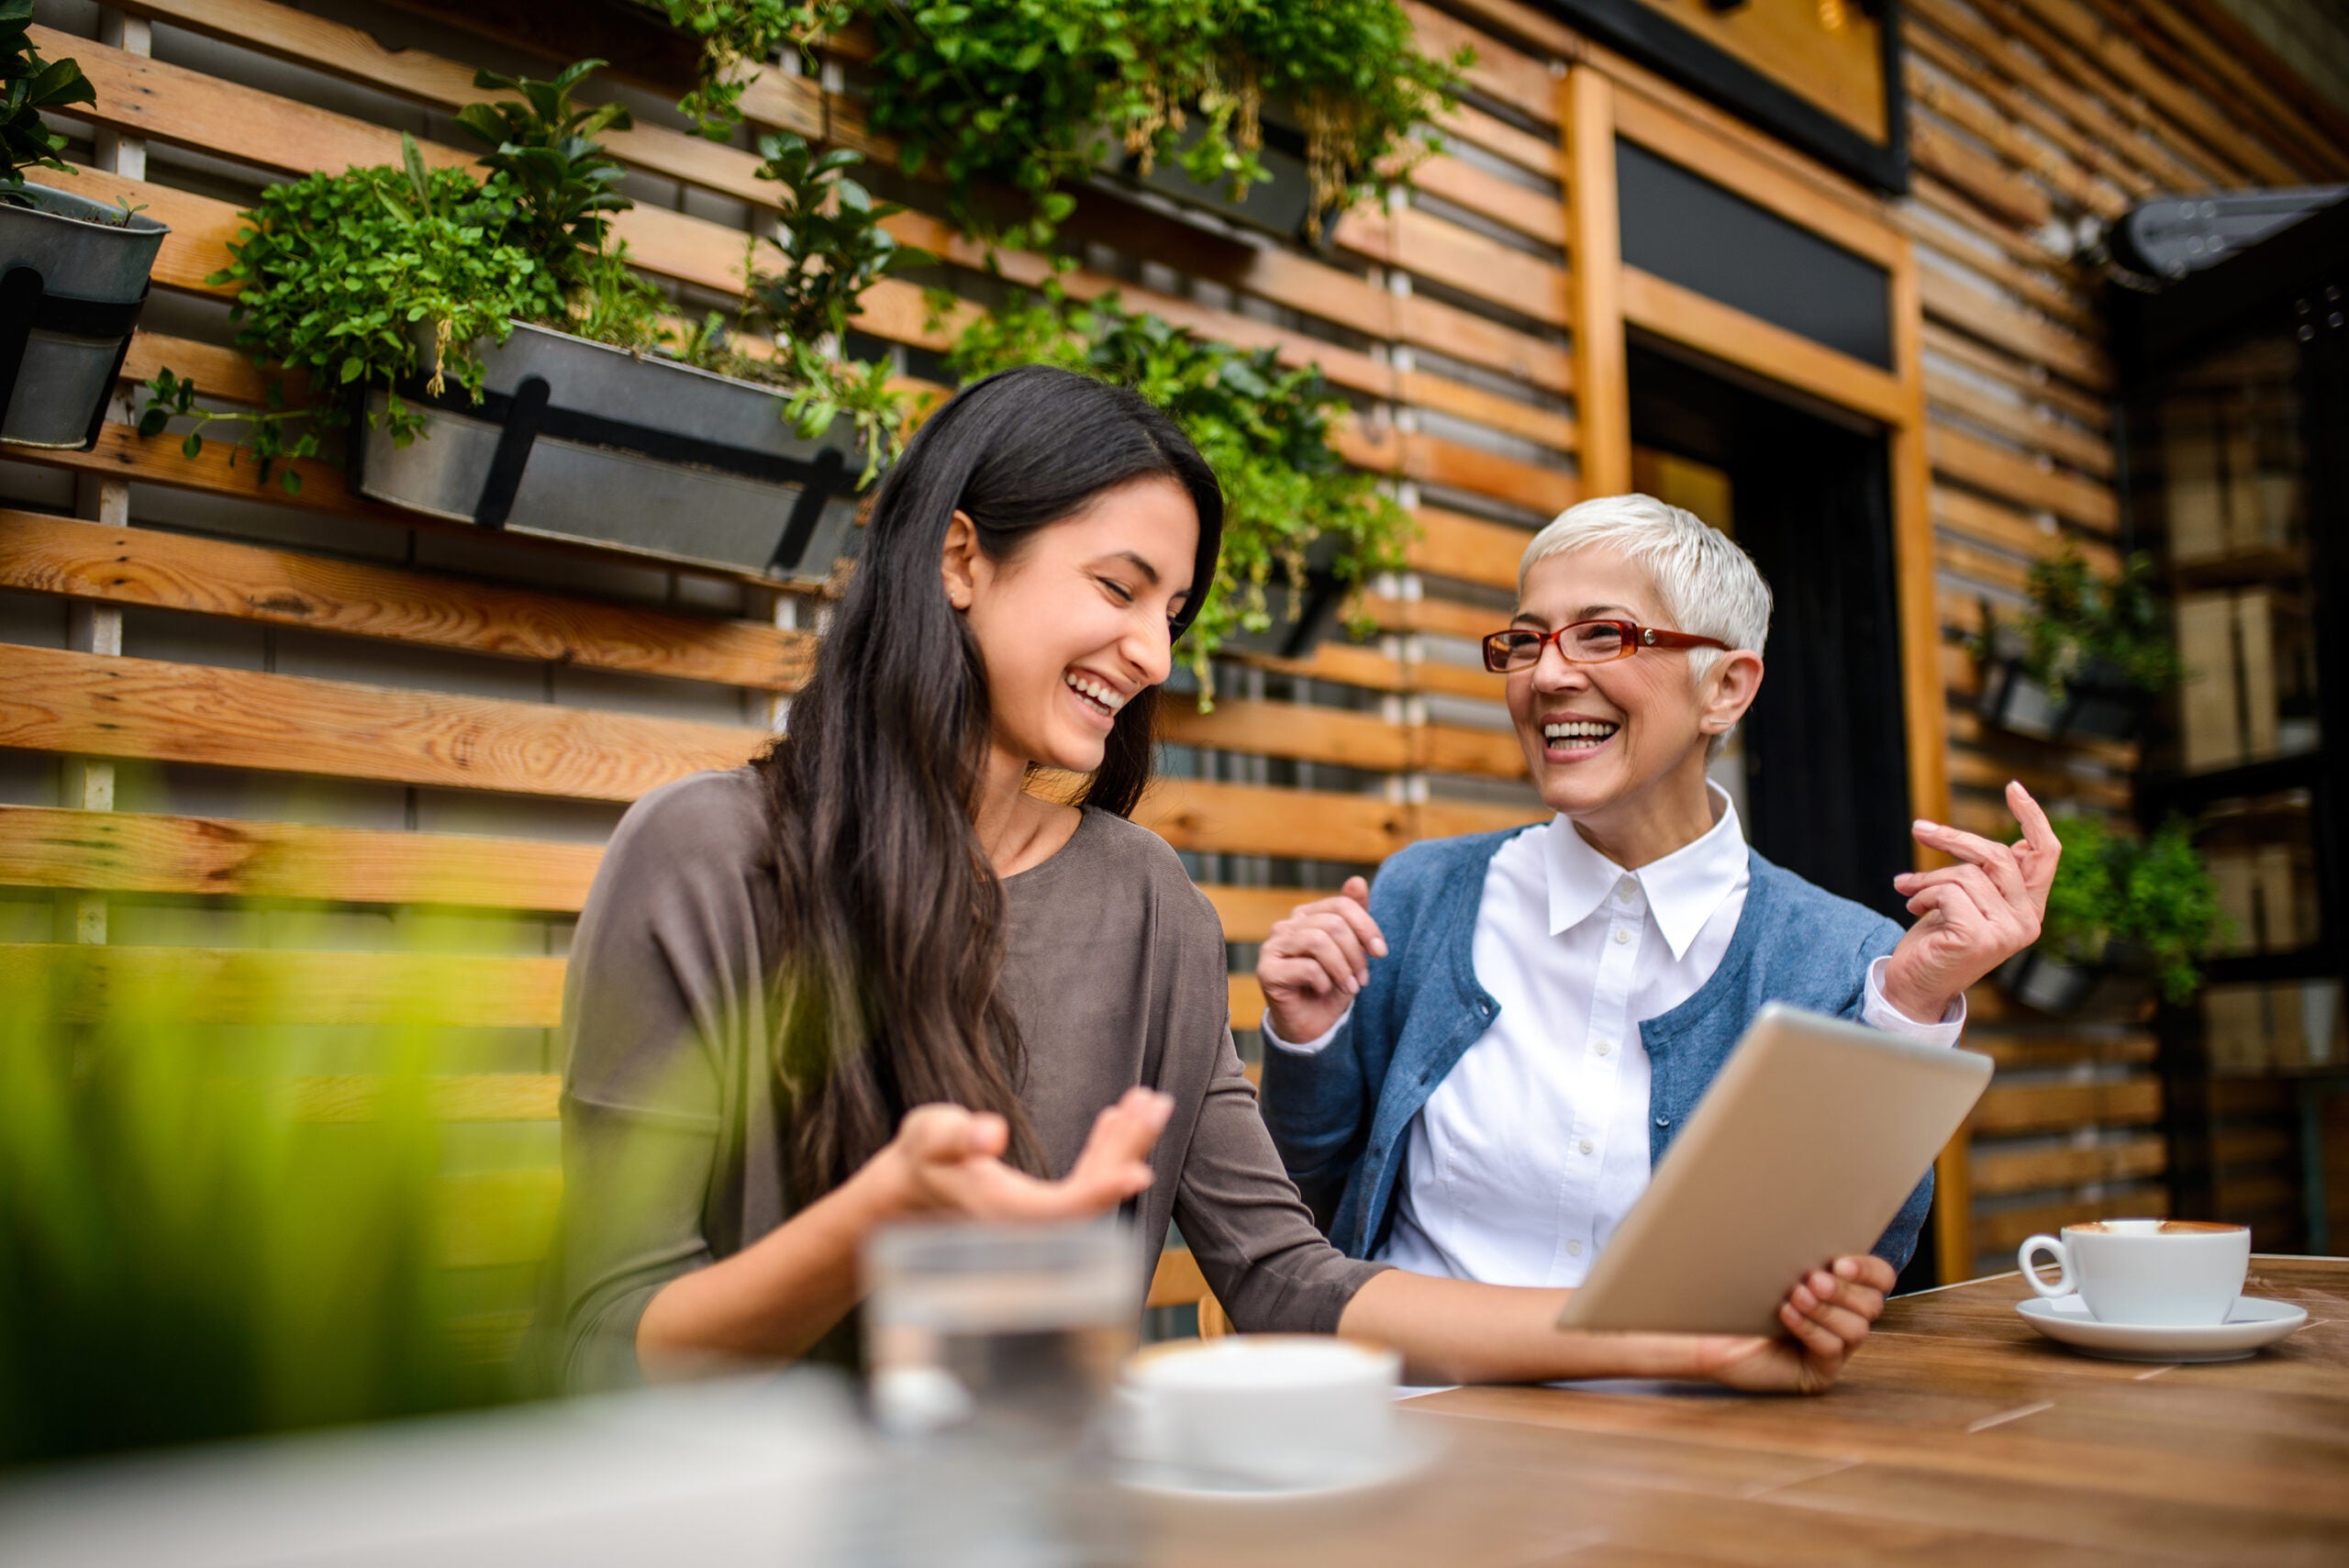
{"points": [[1590, 643]]}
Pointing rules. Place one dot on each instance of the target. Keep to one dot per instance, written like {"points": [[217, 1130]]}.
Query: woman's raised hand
{"points": [[1973, 915], [1315, 962], [1826, 1316], [949, 1161]]}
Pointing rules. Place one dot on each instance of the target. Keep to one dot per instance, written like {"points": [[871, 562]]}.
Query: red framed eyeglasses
{"points": [[1584, 642]]}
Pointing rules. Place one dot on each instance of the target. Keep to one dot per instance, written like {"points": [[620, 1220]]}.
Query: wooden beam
{"points": [[77, 983], [1751, 344], [192, 574], [1603, 399], [89, 705]]}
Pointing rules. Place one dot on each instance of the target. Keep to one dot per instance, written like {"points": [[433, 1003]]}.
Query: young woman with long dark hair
{"points": [[872, 976]]}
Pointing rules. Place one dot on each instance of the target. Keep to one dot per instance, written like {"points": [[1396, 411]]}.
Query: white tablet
{"points": [[1803, 1150]]}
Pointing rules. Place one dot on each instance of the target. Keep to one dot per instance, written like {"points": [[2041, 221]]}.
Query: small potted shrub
{"points": [[1301, 529], [2085, 661], [2123, 919], [500, 364], [72, 271]]}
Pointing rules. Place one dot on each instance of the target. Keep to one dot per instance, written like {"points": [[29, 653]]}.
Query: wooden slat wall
{"points": [[332, 699]]}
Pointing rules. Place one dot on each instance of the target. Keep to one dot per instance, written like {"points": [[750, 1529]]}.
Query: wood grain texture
{"points": [[92, 705], [1603, 399], [281, 588], [1751, 344], [1955, 1436], [74, 982]]}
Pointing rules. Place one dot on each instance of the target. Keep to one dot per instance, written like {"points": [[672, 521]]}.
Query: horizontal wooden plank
{"points": [[2035, 1052], [1500, 71], [2029, 378], [95, 706], [1464, 185], [1421, 243], [486, 1220], [1970, 310], [2042, 1107], [1535, 154], [150, 568], [1193, 813], [1707, 325], [1978, 174], [120, 851], [1445, 617], [1289, 729], [1451, 544], [1175, 1280], [2060, 440], [1249, 913], [1999, 1172], [1971, 459], [85, 983], [478, 1097]]}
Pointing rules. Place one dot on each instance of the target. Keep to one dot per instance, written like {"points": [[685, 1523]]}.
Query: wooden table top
{"points": [[1957, 1435]]}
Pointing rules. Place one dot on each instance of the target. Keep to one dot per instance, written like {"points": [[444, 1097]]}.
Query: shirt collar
{"points": [[1682, 890]]}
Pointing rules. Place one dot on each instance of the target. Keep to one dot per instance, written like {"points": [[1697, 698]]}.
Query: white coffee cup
{"points": [[2152, 1272], [1268, 1410]]}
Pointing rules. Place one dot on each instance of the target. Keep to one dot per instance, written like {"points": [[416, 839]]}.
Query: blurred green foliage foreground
{"points": [[185, 1253]]}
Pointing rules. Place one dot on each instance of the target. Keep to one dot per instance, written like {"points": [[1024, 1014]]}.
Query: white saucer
{"points": [[2251, 1323], [1406, 1455]]}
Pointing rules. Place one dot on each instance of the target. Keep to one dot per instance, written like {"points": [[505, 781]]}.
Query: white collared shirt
{"points": [[1529, 1154]]}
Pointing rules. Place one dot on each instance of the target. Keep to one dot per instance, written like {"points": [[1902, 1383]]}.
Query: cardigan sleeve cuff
{"points": [[1878, 1013], [1308, 1048]]}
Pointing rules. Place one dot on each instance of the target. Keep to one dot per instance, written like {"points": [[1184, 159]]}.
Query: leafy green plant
{"points": [[192, 1255], [2080, 621], [364, 279], [736, 34], [2155, 896], [1262, 425], [559, 178], [1034, 94], [28, 85], [834, 245]]}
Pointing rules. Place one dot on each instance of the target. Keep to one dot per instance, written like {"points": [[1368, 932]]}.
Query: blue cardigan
{"points": [[1342, 1116]]}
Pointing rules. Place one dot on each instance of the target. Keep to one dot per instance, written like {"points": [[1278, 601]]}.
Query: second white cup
{"points": [[2158, 1272], [1271, 1409]]}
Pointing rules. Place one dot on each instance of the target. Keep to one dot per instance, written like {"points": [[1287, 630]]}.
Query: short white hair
{"points": [[1704, 582]]}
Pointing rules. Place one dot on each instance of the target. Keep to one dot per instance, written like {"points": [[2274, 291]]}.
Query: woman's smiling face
{"points": [[1077, 622], [1613, 743]]}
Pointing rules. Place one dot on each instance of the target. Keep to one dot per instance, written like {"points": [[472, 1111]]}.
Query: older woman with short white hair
{"points": [[1472, 1066]]}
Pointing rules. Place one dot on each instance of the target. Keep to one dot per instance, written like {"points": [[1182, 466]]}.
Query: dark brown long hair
{"points": [[893, 919]]}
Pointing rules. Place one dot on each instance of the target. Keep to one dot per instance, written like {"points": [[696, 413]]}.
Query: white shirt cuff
{"points": [[1878, 1013], [1309, 1048]]}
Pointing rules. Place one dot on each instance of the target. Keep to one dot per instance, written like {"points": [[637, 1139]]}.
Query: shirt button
{"points": [[1663, 1121], [1606, 1048], [1587, 1146], [1621, 935], [1574, 1249], [1625, 889]]}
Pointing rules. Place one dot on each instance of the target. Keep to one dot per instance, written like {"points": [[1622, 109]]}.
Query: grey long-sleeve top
{"points": [[673, 1134]]}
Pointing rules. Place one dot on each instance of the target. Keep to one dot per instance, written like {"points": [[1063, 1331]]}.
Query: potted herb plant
{"points": [[2086, 659], [72, 271], [2123, 919], [1300, 528], [501, 363]]}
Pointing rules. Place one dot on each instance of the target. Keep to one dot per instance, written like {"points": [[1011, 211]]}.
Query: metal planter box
{"points": [[72, 278], [2115, 989], [594, 445], [2097, 706]]}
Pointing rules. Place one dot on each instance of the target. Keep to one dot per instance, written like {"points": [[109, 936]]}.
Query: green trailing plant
{"points": [[1035, 94], [1265, 427], [737, 36], [191, 1253], [29, 84], [2154, 895], [2080, 621]]}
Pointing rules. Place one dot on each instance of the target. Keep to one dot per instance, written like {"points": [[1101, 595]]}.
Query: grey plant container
{"points": [[640, 455], [66, 377]]}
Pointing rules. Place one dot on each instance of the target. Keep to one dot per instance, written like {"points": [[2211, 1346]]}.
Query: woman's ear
{"points": [[958, 565], [1731, 686]]}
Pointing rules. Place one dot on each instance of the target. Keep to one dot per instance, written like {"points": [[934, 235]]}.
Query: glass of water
{"points": [[1011, 1330]]}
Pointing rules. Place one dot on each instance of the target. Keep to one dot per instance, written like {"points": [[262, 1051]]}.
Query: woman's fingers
{"points": [[1349, 944], [1823, 1344], [1972, 880], [1996, 860], [1309, 941], [2040, 848], [1353, 906], [1865, 1269]]}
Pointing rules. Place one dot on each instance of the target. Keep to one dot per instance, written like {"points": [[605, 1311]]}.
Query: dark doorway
{"points": [[1826, 777], [1807, 490]]}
